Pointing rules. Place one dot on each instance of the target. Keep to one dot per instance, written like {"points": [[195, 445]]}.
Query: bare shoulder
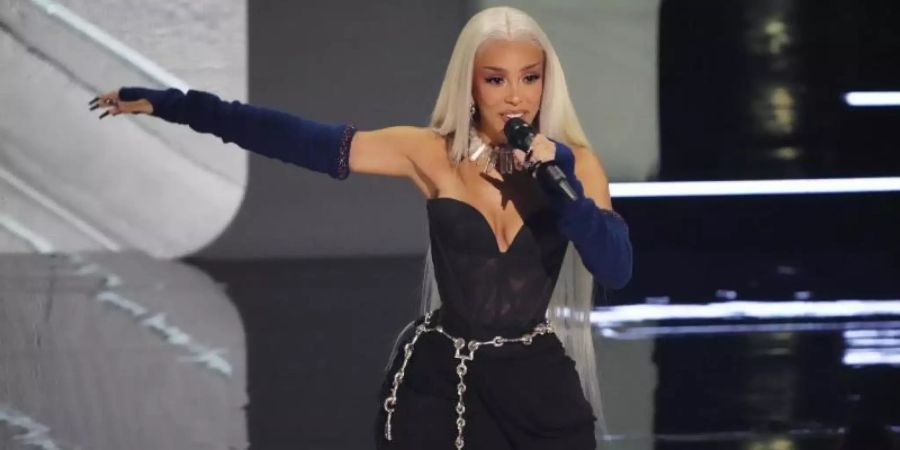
{"points": [[588, 163], [589, 170], [431, 151], [387, 151], [401, 151], [430, 161]]}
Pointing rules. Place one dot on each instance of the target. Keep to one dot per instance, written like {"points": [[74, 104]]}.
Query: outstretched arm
{"points": [[599, 234], [334, 149]]}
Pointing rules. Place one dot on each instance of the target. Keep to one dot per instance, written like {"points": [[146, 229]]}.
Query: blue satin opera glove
{"points": [[600, 235], [276, 134]]}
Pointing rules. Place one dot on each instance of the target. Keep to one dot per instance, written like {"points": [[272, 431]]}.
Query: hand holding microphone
{"points": [[520, 135]]}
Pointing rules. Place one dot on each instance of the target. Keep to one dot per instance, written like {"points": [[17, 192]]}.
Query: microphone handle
{"points": [[549, 173]]}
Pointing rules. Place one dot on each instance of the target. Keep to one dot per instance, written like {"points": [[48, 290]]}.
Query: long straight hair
{"points": [[570, 302]]}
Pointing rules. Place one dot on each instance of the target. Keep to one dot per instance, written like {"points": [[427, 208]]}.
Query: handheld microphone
{"points": [[519, 134]]}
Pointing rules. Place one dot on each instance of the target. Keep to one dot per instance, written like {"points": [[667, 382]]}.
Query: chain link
{"points": [[390, 403]]}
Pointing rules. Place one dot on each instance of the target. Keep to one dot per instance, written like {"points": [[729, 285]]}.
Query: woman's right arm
{"points": [[400, 151], [333, 149]]}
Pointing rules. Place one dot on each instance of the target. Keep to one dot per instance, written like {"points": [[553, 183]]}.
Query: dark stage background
{"points": [[161, 290]]}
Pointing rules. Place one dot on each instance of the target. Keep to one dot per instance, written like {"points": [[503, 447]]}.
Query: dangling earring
{"points": [[472, 110]]}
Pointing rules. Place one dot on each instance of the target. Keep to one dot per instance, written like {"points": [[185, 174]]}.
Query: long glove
{"points": [[316, 146], [600, 235]]}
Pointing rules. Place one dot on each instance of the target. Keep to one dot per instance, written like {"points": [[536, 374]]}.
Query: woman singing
{"points": [[503, 356]]}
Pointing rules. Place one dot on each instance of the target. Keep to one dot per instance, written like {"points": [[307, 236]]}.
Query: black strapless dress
{"points": [[517, 396]]}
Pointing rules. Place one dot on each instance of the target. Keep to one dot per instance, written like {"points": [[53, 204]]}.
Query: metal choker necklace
{"points": [[490, 156]]}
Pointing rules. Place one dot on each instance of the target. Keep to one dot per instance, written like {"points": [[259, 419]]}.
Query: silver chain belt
{"points": [[459, 344]]}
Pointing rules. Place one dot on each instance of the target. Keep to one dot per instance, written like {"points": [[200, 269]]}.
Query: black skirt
{"points": [[517, 397]]}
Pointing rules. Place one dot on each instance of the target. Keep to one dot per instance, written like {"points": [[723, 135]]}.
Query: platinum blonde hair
{"points": [[571, 302]]}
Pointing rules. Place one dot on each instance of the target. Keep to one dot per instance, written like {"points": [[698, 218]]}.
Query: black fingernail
{"points": [[94, 107], [94, 100], [103, 115]]}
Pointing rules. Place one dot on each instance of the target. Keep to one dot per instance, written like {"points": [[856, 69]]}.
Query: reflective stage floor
{"points": [[290, 353]]}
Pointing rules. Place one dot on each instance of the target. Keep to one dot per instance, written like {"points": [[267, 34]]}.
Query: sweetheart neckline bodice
{"points": [[484, 220], [489, 292]]}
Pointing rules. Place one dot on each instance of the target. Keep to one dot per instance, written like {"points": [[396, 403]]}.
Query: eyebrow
{"points": [[500, 69]]}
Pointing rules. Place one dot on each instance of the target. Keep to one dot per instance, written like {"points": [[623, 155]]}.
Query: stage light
{"points": [[885, 98], [755, 187]]}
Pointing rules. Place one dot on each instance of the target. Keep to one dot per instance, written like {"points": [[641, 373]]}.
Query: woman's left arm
{"points": [[599, 234]]}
